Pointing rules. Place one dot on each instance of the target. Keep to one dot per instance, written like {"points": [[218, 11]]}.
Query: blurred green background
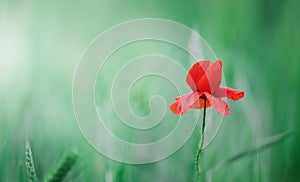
{"points": [[40, 45]]}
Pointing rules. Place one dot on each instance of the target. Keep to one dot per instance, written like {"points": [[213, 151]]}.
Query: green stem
{"points": [[201, 143]]}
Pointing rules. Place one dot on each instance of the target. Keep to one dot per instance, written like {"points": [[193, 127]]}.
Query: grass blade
{"points": [[269, 142], [21, 171]]}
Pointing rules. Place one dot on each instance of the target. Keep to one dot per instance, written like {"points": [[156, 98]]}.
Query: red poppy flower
{"points": [[204, 78]]}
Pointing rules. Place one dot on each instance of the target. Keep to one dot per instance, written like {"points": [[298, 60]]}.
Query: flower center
{"points": [[202, 97]]}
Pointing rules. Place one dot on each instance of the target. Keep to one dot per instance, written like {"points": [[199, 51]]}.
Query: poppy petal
{"points": [[199, 104], [211, 80], [196, 73], [205, 76], [219, 105], [229, 93], [183, 103]]}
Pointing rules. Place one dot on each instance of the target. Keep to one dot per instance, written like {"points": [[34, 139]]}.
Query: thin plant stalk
{"points": [[198, 169]]}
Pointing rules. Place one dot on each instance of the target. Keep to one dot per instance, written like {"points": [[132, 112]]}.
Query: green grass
{"points": [[40, 45]]}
